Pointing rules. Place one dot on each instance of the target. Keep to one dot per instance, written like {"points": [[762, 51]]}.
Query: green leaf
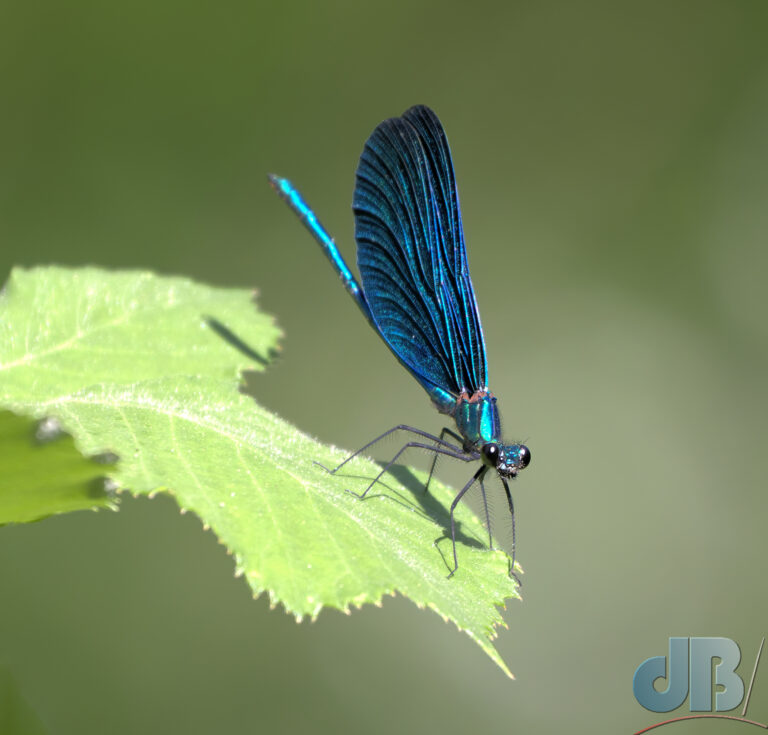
{"points": [[146, 366], [16, 716], [42, 473]]}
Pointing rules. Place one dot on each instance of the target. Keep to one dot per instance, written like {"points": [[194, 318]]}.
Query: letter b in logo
{"points": [[694, 669]]}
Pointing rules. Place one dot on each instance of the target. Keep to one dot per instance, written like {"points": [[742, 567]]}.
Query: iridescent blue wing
{"points": [[411, 255]]}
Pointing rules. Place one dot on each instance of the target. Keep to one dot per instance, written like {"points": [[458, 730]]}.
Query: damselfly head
{"points": [[506, 460]]}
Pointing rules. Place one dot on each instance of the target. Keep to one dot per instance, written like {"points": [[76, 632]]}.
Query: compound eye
{"points": [[523, 456], [490, 453]]}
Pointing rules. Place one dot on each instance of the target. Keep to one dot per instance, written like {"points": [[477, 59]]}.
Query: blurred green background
{"points": [[612, 160]]}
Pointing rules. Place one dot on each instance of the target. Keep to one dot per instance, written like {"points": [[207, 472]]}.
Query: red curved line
{"points": [[701, 717]]}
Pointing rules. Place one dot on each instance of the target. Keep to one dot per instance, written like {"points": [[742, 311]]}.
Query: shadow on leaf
{"points": [[240, 345]]}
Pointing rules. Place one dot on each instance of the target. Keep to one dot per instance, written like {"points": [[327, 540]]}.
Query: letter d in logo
{"points": [[656, 668]]}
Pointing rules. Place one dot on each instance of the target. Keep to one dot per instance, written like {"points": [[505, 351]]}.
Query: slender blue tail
{"points": [[293, 198]]}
